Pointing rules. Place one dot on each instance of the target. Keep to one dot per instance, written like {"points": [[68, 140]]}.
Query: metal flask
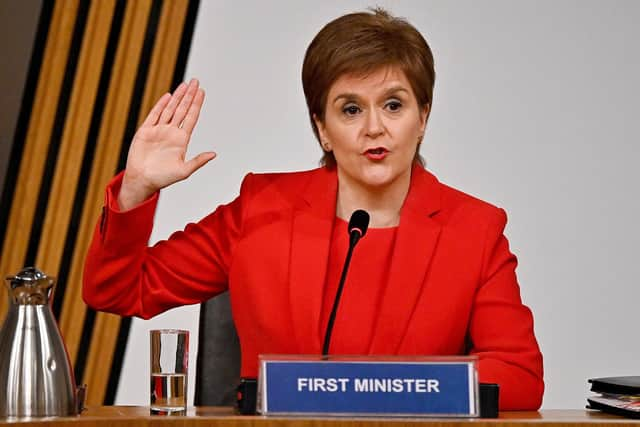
{"points": [[36, 378]]}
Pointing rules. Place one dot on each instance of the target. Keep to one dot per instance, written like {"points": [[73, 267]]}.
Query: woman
{"points": [[433, 276]]}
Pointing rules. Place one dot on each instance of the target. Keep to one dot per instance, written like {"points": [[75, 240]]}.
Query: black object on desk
{"points": [[247, 396], [618, 395], [489, 397], [616, 385]]}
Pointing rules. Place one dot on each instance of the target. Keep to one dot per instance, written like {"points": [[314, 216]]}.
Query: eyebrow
{"points": [[391, 91]]}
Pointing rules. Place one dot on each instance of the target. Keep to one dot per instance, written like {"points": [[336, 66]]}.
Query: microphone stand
{"points": [[354, 236]]}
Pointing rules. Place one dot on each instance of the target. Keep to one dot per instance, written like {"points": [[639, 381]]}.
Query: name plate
{"points": [[368, 386]]}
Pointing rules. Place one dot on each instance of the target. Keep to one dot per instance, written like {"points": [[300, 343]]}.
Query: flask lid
{"points": [[30, 286]]}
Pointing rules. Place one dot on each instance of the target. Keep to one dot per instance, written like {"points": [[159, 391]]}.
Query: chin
{"points": [[379, 178], [374, 175]]}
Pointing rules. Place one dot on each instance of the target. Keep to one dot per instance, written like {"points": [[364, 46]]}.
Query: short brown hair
{"points": [[362, 43]]}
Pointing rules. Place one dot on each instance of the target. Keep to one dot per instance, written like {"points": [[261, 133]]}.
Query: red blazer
{"points": [[453, 288]]}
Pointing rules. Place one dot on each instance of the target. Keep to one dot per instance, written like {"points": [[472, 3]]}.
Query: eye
{"points": [[393, 105], [351, 109]]}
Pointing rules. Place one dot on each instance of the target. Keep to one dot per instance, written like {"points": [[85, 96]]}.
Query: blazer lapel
{"points": [[310, 243], [416, 242]]}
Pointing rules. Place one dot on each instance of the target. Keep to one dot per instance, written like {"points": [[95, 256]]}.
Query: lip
{"points": [[376, 153]]}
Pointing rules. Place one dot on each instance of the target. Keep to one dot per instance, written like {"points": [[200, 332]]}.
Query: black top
{"points": [[616, 385]]}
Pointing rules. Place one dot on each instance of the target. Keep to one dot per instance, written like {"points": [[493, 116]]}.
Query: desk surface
{"points": [[138, 416]]}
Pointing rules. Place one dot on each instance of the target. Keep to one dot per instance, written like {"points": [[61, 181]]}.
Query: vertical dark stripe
{"points": [[116, 364], [197, 394], [58, 128], [134, 107], [185, 43], [22, 125], [89, 154], [83, 348]]}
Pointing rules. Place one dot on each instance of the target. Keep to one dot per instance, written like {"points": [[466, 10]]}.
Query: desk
{"points": [[138, 416]]}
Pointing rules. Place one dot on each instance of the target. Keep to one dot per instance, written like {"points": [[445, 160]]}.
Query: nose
{"points": [[373, 125]]}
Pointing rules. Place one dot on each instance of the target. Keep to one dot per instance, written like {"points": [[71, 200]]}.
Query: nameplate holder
{"points": [[368, 386]]}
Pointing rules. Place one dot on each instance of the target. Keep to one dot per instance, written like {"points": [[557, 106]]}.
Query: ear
{"points": [[319, 125], [322, 133], [424, 116]]}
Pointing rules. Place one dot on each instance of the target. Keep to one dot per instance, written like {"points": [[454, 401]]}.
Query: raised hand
{"points": [[157, 153]]}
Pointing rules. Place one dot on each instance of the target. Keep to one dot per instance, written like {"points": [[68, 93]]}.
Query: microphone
{"points": [[358, 224]]}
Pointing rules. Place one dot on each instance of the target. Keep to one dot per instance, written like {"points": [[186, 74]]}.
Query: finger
{"points": [[198, 161], [168, 111], [191, 118], [185, 103], [155, 112]]}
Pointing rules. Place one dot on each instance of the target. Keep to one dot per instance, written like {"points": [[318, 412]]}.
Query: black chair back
{"points": [[218, 361]]}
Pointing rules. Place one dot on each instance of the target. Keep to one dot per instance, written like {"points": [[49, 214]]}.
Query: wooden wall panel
{"points": [[104, 64], [74, 138], [105, 163], [37, 141], [164, 54]]}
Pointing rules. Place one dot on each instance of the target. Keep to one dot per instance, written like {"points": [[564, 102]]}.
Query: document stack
{"points": [[616, 395]]}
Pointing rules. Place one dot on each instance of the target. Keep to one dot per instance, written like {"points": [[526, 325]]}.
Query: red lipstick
{"points": [[377, 153]]}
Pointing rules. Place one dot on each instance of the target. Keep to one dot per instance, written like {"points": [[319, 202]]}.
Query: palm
{"points": [[157, 156], [158, 153]]}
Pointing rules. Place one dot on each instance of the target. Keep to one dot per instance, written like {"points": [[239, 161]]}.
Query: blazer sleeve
{"points": [[501, 327], [122, 275]]}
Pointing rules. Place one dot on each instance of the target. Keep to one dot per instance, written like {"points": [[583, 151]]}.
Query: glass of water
{"points": [[169, 363]]}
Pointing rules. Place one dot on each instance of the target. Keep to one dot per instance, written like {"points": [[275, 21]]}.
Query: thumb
{"points": [[198, 161]]}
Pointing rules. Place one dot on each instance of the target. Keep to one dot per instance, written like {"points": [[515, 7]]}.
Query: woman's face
{"points": [[373, 125]]}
